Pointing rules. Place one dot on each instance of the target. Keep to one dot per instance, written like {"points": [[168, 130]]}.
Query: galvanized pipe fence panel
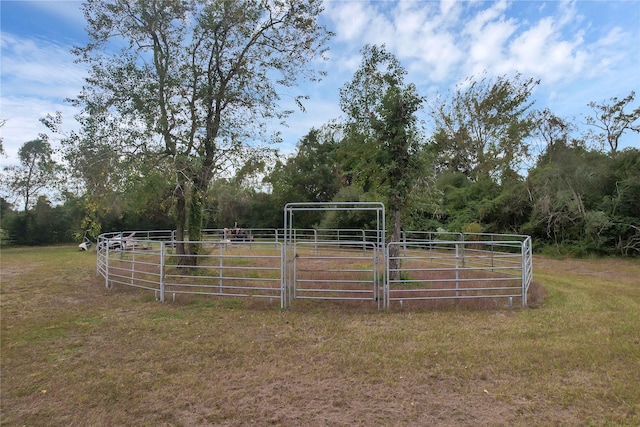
{"points": [[277, 234], [376, 209], [131, 263], [287, 264], [527, 268], [437, 270], [337, 270], [238, 269]]}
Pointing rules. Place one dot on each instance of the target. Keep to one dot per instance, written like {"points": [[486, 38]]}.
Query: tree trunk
{"points": [[195, 224], [189, 219], [394, 250], [183, 248]]}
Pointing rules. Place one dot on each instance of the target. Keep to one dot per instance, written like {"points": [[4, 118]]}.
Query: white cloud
{"points": [[424, 37], [449, 8], [568, 13], [22, 123], [350, 19], [540, 51], [484, 17], [38, 67], [613, 38], [581, 50], [564, 43], [488, 36], [551, 46], [37, 75], [67, 10]]}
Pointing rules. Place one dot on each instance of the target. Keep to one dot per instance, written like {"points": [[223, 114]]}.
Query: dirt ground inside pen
{"points": [[75, 353]]}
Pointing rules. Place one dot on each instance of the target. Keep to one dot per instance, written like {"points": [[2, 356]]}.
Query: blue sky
{"points": [[581, 51]]}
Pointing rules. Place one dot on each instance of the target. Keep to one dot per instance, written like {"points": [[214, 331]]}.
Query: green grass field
{"points": [[75, 353]]}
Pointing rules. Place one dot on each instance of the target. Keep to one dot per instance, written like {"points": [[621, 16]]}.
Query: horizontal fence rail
{"points": [[241, 269], [277, 234], [438, 270], [323, 264], [228, 269], [343, 270]]}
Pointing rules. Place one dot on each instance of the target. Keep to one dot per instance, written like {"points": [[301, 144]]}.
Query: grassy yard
{"points": [[75, 353]]}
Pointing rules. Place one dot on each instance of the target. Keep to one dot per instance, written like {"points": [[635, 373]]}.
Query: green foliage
{"points": [[192, 87], [587, 200], [472, 227], [481, 131], [229, 203], [382, 131], [350, 219], [313, 174], [506, 209], [42, 225], [36, 173], [464, 201], [611, 121]]}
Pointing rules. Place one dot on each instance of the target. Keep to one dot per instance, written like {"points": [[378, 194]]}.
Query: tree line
{"points": [[172, 136]]}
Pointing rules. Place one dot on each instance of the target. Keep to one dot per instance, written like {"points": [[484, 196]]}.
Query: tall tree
{"points": [[36, 172], [311, 174], [611, 121], [196, 81], [382, 129], [555, 131], [482, 129]]}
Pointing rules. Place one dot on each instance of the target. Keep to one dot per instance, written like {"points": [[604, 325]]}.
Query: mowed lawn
{"points": [[76, 354]]}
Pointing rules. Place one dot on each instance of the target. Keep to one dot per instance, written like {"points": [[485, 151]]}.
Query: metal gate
{"points": [[328, 268], [337, 271]]}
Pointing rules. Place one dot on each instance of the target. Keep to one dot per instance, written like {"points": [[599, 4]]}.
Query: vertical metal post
{"points": [[283, 290], [106, 265], [122, 243], [220, 268], [492, 263], [458, 267], [133, 265], [385, 278], [404, 242], [382, 227], [286, 243], [162, 254], [282, 275], [291, 258], [376, 285], [315, 240], [523, 273], [98, 256]]}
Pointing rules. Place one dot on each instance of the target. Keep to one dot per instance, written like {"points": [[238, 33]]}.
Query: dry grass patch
{"points": [[75, 353]]}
